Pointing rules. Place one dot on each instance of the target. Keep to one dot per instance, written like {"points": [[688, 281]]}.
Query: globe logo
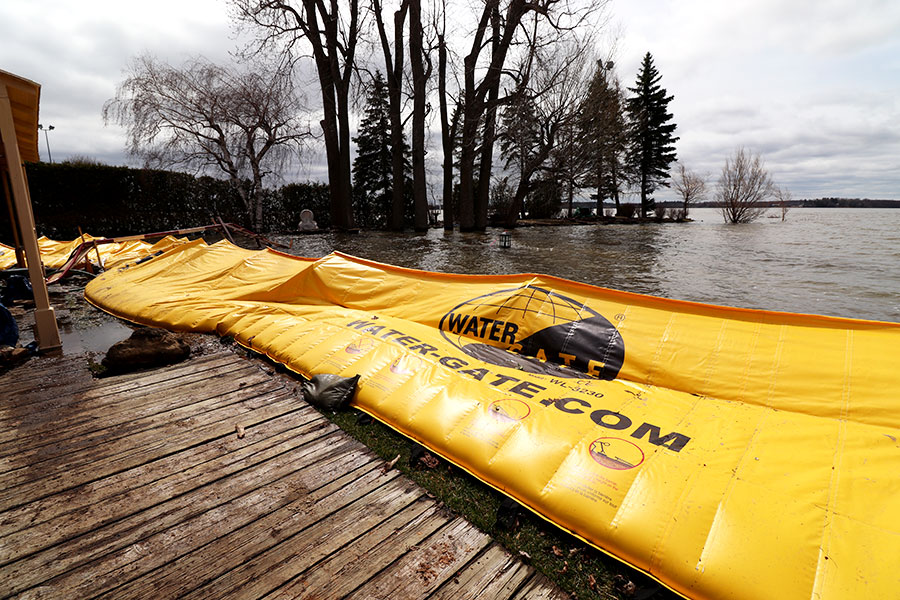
{"points": [[538, 331]]}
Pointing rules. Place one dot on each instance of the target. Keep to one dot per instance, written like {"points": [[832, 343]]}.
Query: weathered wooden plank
{"points": [[82, 428], [48, 379], [262, 555], [48, 414], [118, 551], [494, 574], [145, 447], [193, 466], [26, 532], [356, 563], [540, 588], [89, 447], [33, 375], [425, 567], [130, 496]]}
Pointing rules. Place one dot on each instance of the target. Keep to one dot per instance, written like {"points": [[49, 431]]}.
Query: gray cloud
{"points": [[814, 87]]}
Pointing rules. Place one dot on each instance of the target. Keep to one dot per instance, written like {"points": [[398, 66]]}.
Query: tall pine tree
{"points": [[603, 134], [651, 145], [372, 174]]}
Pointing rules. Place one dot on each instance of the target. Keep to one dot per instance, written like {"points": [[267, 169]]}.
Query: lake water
{"points": [[841, 262]]}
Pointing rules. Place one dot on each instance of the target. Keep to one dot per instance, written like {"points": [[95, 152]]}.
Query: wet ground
{"points": [[87, 330]]}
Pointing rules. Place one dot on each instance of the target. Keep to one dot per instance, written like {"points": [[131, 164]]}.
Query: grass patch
{"points": [[577, 568]]}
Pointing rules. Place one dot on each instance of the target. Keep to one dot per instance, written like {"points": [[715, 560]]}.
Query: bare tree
{"points": [[421, 72], [499, 28], [542, 111], [784, 198], [331, 29], [394, 56], [449, 125], [242, 122], [744, 187], [420, 66], [690, 185]]}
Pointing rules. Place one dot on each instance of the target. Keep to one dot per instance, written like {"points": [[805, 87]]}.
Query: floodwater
{"points": [[840, 262], [97, 338]]}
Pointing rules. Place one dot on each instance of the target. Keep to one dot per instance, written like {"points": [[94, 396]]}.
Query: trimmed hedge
{"points": [[112, 201], [282, 212]]}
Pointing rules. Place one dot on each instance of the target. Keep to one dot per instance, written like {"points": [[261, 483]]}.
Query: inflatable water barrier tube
{"points": [[55, 254], [728, 453]]}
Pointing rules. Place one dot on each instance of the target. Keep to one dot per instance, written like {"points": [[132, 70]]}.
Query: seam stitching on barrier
{"points": [[655, 556], [750, 355], [779, 347], [659, 348], [834, 483], [714, 357], [730, 487], [589, 433]]}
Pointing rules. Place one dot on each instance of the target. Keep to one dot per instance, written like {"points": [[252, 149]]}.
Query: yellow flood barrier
{"points": [[55, 254], [729, 453]]}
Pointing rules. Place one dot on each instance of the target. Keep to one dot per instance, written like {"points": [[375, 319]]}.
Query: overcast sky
{"points": [[812, 85]]}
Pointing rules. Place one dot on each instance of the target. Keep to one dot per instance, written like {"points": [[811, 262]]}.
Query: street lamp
{"points": [[47, 129]]}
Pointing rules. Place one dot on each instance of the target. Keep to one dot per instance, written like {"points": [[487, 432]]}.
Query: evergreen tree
{"points": [[603, 135], [651, 145], [372, 173]]}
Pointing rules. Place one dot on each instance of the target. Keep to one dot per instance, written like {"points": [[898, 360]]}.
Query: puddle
{"points": [[94, 339]]}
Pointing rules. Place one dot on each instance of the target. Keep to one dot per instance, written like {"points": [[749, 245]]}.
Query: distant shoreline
{"points": [[814, 203]]}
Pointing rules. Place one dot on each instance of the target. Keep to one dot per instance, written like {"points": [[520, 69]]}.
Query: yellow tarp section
{"points": [[729, 453], [55, 254]]}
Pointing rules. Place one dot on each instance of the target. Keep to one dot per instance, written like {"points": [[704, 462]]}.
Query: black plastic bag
{"points": [[9, 330], [330, 392], [18, 287]]}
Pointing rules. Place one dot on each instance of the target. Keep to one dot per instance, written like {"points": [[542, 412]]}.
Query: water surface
{"points": [[841, 262]]}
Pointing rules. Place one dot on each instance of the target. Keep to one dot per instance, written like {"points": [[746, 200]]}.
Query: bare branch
{"points": [[245, 123], [744, 187]]}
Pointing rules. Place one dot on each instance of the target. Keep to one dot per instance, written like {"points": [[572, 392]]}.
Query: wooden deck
{"points": [[138, 486]]}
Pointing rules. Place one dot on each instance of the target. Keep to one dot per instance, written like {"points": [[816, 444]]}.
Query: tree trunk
{"points": [[394, 67], [643, 195], [467, 175], [345, 187], [615, 189], [471, 117], [512, 214], [446, 136], [482, 199], [336, 131], [416, 57]]}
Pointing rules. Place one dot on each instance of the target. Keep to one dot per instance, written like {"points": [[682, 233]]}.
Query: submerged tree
{"points": [[244, 122], [744, 187], [784, 197], [690, 185], [651, 143]]}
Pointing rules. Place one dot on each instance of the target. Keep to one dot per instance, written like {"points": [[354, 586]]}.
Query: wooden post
{"points": [[46, 331], [13, 221]]}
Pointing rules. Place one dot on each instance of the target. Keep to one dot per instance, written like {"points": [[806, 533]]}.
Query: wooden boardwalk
{"points": [[138, 486]]}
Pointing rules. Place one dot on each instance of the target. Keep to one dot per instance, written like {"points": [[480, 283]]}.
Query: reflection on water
{"points": [[95, 339], [843, 262]]}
